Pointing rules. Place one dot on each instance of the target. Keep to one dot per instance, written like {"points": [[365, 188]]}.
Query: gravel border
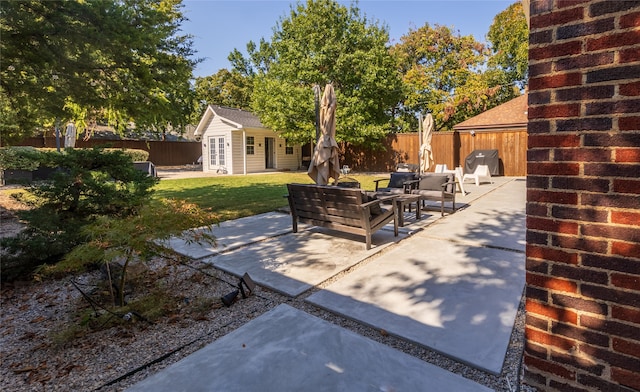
{"points": [[114, 359]]}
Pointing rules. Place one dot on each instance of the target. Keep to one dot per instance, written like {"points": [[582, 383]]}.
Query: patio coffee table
{"points": [[405, 200]]}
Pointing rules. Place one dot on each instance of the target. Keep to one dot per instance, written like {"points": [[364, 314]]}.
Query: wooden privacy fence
{"points": [[450, 148], [161, 153]]}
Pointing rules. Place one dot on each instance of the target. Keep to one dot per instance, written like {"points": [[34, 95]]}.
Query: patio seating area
{"points": [[450, 284]]}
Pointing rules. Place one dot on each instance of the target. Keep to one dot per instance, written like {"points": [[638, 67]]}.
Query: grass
{"points": [[233, 197]]}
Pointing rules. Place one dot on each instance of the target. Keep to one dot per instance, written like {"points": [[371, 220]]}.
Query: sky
{"points": [[219, 26]]}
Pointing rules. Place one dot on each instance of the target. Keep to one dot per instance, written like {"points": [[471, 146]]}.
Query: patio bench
{"points": [[346, 210]]}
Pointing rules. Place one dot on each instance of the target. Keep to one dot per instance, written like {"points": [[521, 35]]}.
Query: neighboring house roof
{"points": [[237, 118], [511, 114]]}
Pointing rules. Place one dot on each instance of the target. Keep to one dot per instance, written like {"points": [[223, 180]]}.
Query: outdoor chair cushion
{"points": [[434, 183], [375, 209], [398, 179]]}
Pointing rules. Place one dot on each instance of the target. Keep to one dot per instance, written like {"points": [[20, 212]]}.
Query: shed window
{"points": [[251, 148], [288, 149]]}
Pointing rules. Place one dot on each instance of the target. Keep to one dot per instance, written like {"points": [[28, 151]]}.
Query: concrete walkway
{"points": [[452, 284]]}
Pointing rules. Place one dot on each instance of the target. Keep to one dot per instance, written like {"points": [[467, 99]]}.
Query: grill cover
{"points": [[483, 157]]}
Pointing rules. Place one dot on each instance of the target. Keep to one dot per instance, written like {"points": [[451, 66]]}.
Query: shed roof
{"points": [[237, 118], [511, 114]]}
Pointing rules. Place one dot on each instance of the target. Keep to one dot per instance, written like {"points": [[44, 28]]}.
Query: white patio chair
{"points": [[482, 171], [441, 168]]}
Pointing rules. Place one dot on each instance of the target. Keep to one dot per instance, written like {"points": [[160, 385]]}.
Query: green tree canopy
{"points": [[227, 88], [116, 61], [509, 38], [318, 43]]}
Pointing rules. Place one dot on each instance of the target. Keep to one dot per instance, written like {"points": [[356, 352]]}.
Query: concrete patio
{"points": [[450, 284]]}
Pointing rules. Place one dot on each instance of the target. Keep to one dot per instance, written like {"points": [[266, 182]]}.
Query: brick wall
{"points": [[583, 196]]}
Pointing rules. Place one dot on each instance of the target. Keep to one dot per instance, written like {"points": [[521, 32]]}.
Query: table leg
{"points": [[400, 210]]}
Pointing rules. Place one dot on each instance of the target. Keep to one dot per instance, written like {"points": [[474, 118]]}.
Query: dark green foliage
{"points": [[87, 185]]}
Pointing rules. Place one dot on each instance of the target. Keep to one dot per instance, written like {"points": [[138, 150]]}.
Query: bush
{"points": [[89, 184], [19, 158]]}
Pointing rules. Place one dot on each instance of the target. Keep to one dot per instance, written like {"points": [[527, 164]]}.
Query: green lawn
{"points": [[235, 197]]}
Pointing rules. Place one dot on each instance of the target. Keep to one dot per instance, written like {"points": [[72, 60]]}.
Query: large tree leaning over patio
{"points": [[117, 61], [321, 42], [442, 72]]}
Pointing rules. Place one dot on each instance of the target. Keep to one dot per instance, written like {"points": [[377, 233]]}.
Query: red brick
{"points": [[538, 294], [626, 186], [551, 225], [583, 155], [552, 283], [545, 253], [536, 209], [609, 327], [583, 244], [600, 384], [626, 377], [570, 360], [552, 197], [600, 169], [630, 155], [631, 282], [556, 18], [612, 73], [538, 155], [618, 106], [554, 81], [626, 38], [541, 37], [535, 237], [610, 7], [613, 358], [580, 214], [630, 20], [626, 217], [610, 263], [584, 28], [536, 350], [611, 294], [580, 274], [626, 249], [584, 60], [581, 334], [560, 169], [538, 266], [630, 123], [630, 89], [601, 139], [555, 385], [627, 347], [581, 304], [550, 367], [552, 312], [583, 93], [538, 126], [616, 200], [627, 314], [629, 55], [584, 124], [539, 97], [536, 322], [580, 183], [622, 233], [536, 141]]}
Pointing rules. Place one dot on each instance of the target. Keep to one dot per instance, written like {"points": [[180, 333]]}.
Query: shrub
{"points": [[19, 158], [89, 184]]}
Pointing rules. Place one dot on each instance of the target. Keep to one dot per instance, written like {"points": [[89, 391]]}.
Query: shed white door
{"points": [[217, 155]]}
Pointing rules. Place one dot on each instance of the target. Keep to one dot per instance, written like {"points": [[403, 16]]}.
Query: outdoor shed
{"points": [[234, 141]]}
